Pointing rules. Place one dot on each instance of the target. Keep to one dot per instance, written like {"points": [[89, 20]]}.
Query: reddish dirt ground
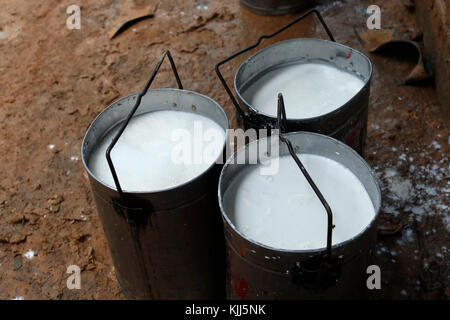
{"points": [[54, 81]]}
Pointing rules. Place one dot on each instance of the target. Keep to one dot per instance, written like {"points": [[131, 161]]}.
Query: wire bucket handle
{"points": [[219, 74], [281, 120], [317, 272], [166, 53]]}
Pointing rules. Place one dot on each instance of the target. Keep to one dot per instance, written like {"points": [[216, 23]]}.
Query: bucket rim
{"points": [[372, 222], [110, 106], [337, 110]]}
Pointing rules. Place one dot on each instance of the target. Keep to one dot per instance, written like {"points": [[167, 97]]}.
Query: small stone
{"points": [[55, 199], [17, 263]]}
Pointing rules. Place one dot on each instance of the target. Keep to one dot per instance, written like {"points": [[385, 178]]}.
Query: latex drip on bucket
{"points": [[321, 271]]}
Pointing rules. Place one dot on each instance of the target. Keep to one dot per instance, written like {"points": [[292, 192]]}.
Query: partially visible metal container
{"points": [[348, 123], [256, 271], [165, 244], [275, 7]]}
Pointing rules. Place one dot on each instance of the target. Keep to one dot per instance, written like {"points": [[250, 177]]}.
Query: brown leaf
{"points": [[377, 40], [127, 13]]}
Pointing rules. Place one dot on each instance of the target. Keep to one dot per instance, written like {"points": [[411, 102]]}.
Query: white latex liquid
{"points": [[144, 155], [282, 211], [309, 90]]}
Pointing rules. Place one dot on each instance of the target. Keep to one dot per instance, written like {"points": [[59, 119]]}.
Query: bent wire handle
{"points": [[219, 74], [282, 125], [133, 111]]}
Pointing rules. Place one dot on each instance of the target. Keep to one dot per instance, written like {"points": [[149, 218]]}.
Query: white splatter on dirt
{"points": [[29, 254], [421, 190]]}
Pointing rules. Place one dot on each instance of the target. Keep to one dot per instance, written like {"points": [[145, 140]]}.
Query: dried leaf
{"points": [[127, 13]]}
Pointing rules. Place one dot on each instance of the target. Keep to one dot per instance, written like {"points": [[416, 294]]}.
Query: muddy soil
{"points": [[54, 81]]}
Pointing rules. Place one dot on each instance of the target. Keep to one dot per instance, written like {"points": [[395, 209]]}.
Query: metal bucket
{"points": [[256, 271], [165, 244], [348, 123], [275, 7]]}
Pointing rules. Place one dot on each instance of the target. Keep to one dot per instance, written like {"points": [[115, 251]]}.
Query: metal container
{"points": [[256, 271], [275, 7], [348, 123], [166, 244]]}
